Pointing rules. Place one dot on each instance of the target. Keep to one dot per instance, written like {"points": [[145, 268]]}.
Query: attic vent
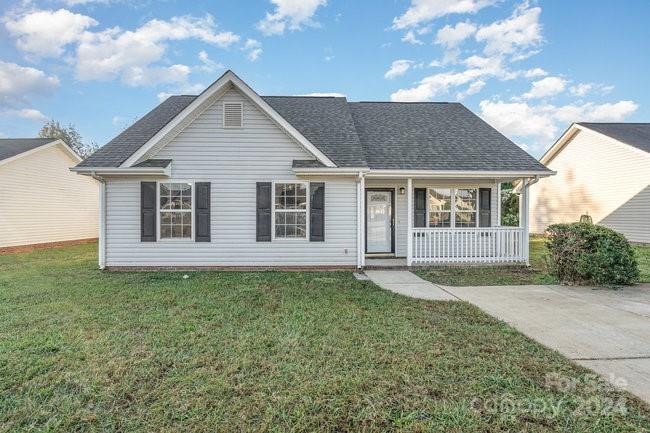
{"points": [[233, 114]]}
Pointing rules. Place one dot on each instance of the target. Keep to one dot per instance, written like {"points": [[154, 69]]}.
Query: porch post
{"points": [[409, 219], [524, 217]]}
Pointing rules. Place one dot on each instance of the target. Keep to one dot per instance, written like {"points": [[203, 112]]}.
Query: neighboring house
{"points": [[603, 170], [40, 200], [232, 179]]}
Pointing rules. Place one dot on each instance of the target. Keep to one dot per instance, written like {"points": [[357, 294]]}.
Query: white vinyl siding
{"points": [[233, 160], [595, 176], [42, 201]]}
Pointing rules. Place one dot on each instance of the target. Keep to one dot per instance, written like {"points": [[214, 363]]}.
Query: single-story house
{"points": [[603, 170], [229, 178], [41, 202]]}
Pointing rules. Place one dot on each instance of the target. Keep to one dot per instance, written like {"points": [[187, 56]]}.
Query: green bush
{"points": [[583, 253]]}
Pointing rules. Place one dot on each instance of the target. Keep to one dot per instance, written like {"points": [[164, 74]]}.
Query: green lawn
{"points": [[86, 351], [537, 273]]}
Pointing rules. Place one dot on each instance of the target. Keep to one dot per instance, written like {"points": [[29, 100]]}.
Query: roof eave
{"points": [[123, 171], [465, 174]]}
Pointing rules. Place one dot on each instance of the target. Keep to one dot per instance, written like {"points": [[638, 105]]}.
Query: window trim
{"points": [[223, 115], [307, 211], [452, 216], [451, 211], [158, 210]]}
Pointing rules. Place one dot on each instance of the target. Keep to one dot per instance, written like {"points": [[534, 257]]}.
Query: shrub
{"points": [[583, 253]]}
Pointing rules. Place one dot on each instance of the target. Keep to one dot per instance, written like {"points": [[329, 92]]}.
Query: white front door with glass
{"points": [[379, 216]]}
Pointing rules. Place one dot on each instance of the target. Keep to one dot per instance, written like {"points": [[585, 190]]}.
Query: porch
{"points": [[439, 221]]}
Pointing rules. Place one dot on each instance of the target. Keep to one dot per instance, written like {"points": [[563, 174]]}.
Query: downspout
{"points": [[360, 221], [102, 220]]}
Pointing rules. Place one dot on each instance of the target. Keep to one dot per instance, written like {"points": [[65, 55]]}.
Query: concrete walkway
{"points": [[605, 330], [409, 284]]}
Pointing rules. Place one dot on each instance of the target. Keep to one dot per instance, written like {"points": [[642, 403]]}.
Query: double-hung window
{"points": [[453, 207], [290, 210], [440, 207], [465, 206], [175, 208]]}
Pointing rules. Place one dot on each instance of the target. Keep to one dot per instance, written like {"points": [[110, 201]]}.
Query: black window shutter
{"points": [[202, 212], [263, 211], [485, 207], [148, 211], [420, 207], [317, 212]]}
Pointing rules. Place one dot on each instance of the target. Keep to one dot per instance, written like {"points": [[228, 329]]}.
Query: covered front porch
{"points": [[426, 219]]}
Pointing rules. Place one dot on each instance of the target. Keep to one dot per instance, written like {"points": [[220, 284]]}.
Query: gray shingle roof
{"points": [[634, 134], [160, 163], [15, 146], [378, 135], [307, 163], [434, 136], [324, 121], [119, 149]]}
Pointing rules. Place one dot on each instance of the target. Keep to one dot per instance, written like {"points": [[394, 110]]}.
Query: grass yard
{"points": [[85, 351], [537, 273]]}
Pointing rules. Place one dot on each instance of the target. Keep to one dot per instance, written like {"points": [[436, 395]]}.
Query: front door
{"points": [[379, 221]]}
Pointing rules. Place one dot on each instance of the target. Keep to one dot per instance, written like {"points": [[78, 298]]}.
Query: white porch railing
{"points": [[468, 245]]}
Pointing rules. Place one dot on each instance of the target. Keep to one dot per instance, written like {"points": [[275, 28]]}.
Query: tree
{"points": [[509, 205], [69, 134]]}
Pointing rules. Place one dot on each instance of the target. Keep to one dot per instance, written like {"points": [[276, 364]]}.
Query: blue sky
{"points": [[529, 68]]}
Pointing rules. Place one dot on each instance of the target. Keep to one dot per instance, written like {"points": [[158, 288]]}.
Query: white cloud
{"points": [[543, 122], [253, 48], [324, 94], [128, 55], [26, 113], [535, 73], [46, 33], [582, 89], [182, 89], [472, 89], [291, 14], [548, 86], [515, 35], [423, 11], [18, 81], [410, 38], [398, 68], [84, 2], [436, 84], [451, 37], [208, 65], [144, 76]]}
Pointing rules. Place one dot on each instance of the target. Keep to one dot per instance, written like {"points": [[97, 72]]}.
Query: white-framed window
{"points": [[452, 207], [175, 210], [439, 207], [466, 207], [290, 210]]}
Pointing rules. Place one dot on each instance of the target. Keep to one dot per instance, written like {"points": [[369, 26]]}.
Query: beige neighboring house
{"points": [[603, 169], [41, 200]]}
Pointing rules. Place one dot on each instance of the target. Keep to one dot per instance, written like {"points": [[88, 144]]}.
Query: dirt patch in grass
{"points": [[82, 350]]}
